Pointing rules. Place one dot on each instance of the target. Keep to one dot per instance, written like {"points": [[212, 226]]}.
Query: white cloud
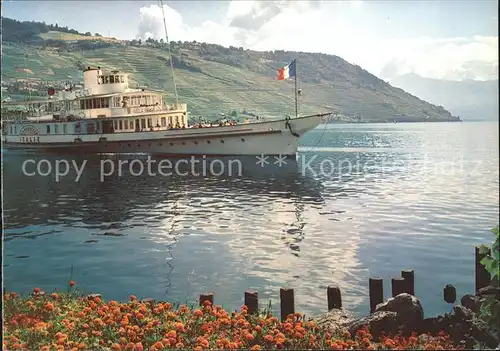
{"points": [[332, 27]]}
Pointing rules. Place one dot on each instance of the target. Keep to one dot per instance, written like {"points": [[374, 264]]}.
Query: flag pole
{"points": [[296, 103]]}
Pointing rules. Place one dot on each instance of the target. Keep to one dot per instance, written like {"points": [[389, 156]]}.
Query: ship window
{"points": [[115, 125], [170, 121], [82, 104], [121, 125], [98, 103], [106, 79], [148, 100], [104, 102], [56, 129], [116, 102], [143, 123], [131, 125], [11, 130], [122, 79], [117, 79], [150, 124], [163, 121], [48, 128], [111, 79], [64, 128], [87, 104]]}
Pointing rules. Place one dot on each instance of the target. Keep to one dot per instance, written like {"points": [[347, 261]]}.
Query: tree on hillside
{"points": [[88, 34]]}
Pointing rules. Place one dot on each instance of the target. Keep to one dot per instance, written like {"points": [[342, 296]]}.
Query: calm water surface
{"points": [[360, 201]]}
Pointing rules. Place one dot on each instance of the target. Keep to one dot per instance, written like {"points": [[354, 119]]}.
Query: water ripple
{"points": [[374, 200]]}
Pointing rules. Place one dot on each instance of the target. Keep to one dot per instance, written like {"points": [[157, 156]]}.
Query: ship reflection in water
{"points": [[170, 237]]}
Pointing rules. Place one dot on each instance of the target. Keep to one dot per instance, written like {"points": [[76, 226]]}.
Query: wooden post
{"points": [[206, 297], [334, 297], [376, 290], [450, 293], [252, 301], [409, 277], [398, 286], [287, 302], [483, 277]]}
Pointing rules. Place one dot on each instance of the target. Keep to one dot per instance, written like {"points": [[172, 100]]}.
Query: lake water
{"points": [[360, 201]]}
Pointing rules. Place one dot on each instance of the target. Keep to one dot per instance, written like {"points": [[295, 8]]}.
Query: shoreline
{"points": [[78, 322]]}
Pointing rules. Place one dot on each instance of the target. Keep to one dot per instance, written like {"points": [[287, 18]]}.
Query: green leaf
{"points": [[487, 262], [483, 249], [495, 231], [494, 269]]}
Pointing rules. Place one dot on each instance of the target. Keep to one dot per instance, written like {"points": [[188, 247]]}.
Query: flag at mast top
{"points": [[287, 71]]}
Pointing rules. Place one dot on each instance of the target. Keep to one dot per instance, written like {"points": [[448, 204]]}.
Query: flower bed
{"points": [[60, 321]]}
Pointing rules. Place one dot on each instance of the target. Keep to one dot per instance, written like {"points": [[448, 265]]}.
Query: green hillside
{"points": [[211, 79]]}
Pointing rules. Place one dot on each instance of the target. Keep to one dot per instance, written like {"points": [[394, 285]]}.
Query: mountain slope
{"points": [[475, 100], [214, 79]]}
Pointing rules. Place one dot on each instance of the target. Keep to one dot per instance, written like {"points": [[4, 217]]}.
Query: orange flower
{"points": [[139, 347], [36, 290], [269, 338], [133, 298], [71, 283], [179, 327], [49, 306], [249, 337], [256, 347], [116, 347]]}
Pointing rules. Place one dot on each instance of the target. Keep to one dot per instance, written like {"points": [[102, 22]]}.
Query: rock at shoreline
{"points": [[401, 313], [378, 322], [463, 327], [408, 308], [336, 320], [404, 313]]}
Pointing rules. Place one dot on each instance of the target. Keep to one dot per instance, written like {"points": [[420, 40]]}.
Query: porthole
{"points": [[183, 143], [242, 139], [159, 144], [171, 144], [222, 141], [129, 145], [208, 141], [196, 143]]}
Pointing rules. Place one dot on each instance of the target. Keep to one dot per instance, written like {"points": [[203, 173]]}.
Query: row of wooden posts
{"points": [[403, 284]]}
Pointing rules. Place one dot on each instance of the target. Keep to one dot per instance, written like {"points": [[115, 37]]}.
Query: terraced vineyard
{"points": [[213, 79]]}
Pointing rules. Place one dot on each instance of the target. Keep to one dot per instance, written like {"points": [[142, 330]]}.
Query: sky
{"points": [[453, 40]]}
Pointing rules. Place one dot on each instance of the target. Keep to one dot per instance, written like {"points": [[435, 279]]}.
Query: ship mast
{"points": [[296, 102], [169, 52]]}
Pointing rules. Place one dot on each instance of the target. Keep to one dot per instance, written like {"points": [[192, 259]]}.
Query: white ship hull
{"points": [[268, 138]]}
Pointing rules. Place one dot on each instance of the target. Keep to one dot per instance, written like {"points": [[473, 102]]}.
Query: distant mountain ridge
{"points": [[470, 99], [211, 78]]}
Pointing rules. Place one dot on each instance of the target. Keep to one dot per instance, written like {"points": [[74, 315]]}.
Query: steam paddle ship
{"points": [[107, 116]]}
